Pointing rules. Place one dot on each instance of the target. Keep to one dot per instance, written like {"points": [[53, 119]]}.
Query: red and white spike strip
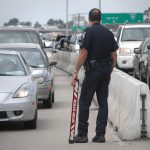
{"points": [[73, 113]]}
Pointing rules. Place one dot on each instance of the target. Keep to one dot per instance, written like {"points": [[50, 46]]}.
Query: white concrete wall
{"points": [[125, 104]]}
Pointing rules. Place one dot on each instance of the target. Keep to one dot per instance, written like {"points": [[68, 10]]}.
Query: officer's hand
{"points": [[74, 80]]}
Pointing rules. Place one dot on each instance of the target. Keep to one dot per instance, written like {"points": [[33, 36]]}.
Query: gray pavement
{"points": [[53, 127]]}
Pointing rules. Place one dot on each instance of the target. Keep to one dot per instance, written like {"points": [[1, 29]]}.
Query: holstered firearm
{"points": [[92, 64]]}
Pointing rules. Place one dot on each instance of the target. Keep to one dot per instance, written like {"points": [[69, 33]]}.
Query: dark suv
{"points": [[141, 61]]}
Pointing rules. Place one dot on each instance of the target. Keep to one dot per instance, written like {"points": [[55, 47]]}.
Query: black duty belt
{"points": [[102, 63], [93, 64]]}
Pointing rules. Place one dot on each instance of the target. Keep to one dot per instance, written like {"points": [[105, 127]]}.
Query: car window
{"points": [[35, 38], [135, 34], [14, 37], [11, 65], [19, 37], [33, 58]]}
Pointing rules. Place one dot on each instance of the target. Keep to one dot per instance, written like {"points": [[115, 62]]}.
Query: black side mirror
{"points": [[137, 51], [148, 47], [52, 63]]}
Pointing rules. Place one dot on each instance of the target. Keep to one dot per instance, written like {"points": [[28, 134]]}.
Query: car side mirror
{"points": [[137, 51], [148, 47], [52, 63], [38, 76]]}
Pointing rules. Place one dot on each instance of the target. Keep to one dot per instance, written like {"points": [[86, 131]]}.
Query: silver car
{"points": [[36, 60], [18, 91], [20, 35]]}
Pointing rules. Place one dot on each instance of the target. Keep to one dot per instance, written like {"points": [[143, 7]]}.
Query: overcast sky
{"points": [[42, 10]]}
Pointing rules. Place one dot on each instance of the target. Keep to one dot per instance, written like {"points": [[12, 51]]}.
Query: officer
{"points": [[98, 55]]}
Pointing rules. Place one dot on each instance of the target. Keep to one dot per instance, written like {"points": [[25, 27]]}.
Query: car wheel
{"points": [[53, 97], [134, 74], [141, 72], [140, 75], [31, 124], [147, 78], [48, 102]]}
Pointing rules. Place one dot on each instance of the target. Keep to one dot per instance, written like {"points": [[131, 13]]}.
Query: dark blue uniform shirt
{"points": [[99, 42]]}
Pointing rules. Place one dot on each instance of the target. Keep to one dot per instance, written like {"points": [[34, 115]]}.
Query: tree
{"points": [[147, 15], [50, 22], [28, 23], [70, 24], [59, 23], [37, 25], [146, 12], [12, 22], [5, 24]]}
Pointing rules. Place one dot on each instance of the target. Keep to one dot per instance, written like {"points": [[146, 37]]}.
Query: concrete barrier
{"points": [[66, 60], [129, 100], [126, 109]]}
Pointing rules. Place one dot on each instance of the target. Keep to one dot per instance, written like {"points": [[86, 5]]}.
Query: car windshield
{"points": [[18, 37], [135, 34], [33, 57], [11, 65]]}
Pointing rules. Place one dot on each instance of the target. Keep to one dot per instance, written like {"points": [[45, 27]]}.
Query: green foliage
{"points": [[12, 22], [37, 25]]}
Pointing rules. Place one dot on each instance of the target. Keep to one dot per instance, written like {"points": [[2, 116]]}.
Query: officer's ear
{"points": [[90, 22]]}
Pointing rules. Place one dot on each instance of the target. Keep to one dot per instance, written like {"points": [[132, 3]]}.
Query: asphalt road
{"points": [[53, 127]]}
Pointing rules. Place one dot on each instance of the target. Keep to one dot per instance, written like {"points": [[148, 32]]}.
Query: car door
{"points": [[136, 61], [148, 55]]}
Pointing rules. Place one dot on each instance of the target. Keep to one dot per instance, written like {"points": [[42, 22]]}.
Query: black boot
{"points": [[80, 139], [99, 139]]}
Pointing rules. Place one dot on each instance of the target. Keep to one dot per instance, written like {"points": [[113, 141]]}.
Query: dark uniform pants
{"points": [[96, 80]]}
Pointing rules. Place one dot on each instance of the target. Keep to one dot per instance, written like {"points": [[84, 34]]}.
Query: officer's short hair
{"points": [[95, 15]]}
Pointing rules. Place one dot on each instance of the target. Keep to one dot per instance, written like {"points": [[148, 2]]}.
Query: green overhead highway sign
{"points": [[120, 18], [78, 28]]}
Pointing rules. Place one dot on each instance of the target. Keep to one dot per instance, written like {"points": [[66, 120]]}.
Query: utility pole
{"points": [[100, 4], [66, 16]]}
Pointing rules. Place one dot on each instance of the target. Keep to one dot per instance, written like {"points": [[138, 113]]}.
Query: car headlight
{"points": [[124, 51], [23, 91]]}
